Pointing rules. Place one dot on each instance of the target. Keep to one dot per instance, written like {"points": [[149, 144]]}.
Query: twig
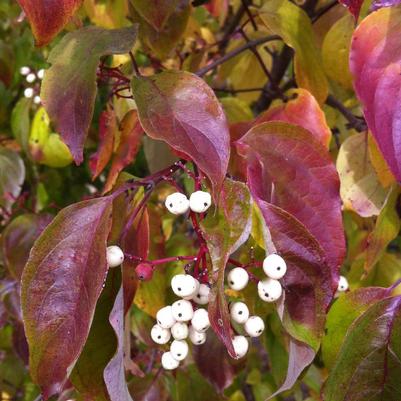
{"points": [[235, 52], [323, 10], [134, 64], [248, 12]]}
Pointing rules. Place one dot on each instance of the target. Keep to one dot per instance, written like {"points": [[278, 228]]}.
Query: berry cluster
{"points": [[199, 201], [173, 320], [31, 77]]}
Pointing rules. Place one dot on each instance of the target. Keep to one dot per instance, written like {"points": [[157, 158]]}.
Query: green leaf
{"points": [[368, 366], [225, 230], [20, 122], [294, 26], [236, 110], [70, 101]]}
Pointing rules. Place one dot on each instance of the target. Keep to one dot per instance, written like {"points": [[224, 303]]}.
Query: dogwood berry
{"points": [[193, 294], [179, 331], [144, 271], [177, 203], [41, 73], [24, 70], [238, 278], [342, 284], [196, 337], [169, 362], [160, 335], [30, 78], [165, 317], [37, 99], [200, 322], [179, 349], [184, 285], [269, 290], [254, 326], [200, 201], [239, 312], [241, 346], [182, 310], [28, 93], [202, 296], [114, 256], [274, 266]]}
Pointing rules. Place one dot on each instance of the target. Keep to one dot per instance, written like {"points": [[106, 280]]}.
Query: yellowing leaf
{"points": [[335, 51], [293, 24], [236, 110], [360, 188], [46, 147]]}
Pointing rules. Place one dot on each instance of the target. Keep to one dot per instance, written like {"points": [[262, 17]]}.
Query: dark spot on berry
{"points": [[199, 341], [278, 268], [205, 204], [159, 337], [204, 328], [171, 205], [232, 282], [259, 331], [178, 354], [180, 315], [179, 289], [158, 321], [266, 294], [240, 312]]}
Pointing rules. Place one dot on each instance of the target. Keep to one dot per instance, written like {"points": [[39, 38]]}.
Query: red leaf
{"points": [[107, 130], [374, 62], [234, 213], [354, 6], [48, 18], [303, 110], [130, 141], [70, 101], [60, 287], [289, 168], [182, 110]]}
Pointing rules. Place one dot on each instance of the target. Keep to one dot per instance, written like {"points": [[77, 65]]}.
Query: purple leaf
{"points": [[376, 4], [289, 168], [61, 284], [182, 110], [374, 63], [70, 101], [354, 6]]}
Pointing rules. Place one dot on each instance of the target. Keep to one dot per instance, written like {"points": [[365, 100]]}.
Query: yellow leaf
{"points": [[236, 110]]}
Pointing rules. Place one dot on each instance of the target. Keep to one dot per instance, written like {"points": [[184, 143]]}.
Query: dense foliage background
{"points": [[289, 111]]}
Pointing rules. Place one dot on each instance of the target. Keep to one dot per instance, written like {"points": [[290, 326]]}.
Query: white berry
{"points": [[193, 293], [182, 310], [179, 349], [241, 346], [177, 203], [196, 337], [115, 256], [30, 78], [169, 362], [24, 70], [184, 285], [342, 284], [37, 99], [41, 73], [254, 326], [165, 317], [269, 290], [179, 331], [239, 312], [238, 278], [200, 201], [160, 335], [200, 322], [28, 93], [202, 296], [274, 266]]}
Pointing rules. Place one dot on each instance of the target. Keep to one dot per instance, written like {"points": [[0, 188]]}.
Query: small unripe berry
{"points": [[179, 349], [269, 290], [28, 93], [202, 296], [342, 284], [254, 326], [196, 337], [184, 285], [160, 335], [241, 346], [114, 256], [165, 317], [182, 310], [41, 73], [274, 266], [180, 331], [144, 271], [30, 78], [169, 362], [24, 70], [239, 312], [177, 203], [238, 278], [200, 201], [200, 321]]}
